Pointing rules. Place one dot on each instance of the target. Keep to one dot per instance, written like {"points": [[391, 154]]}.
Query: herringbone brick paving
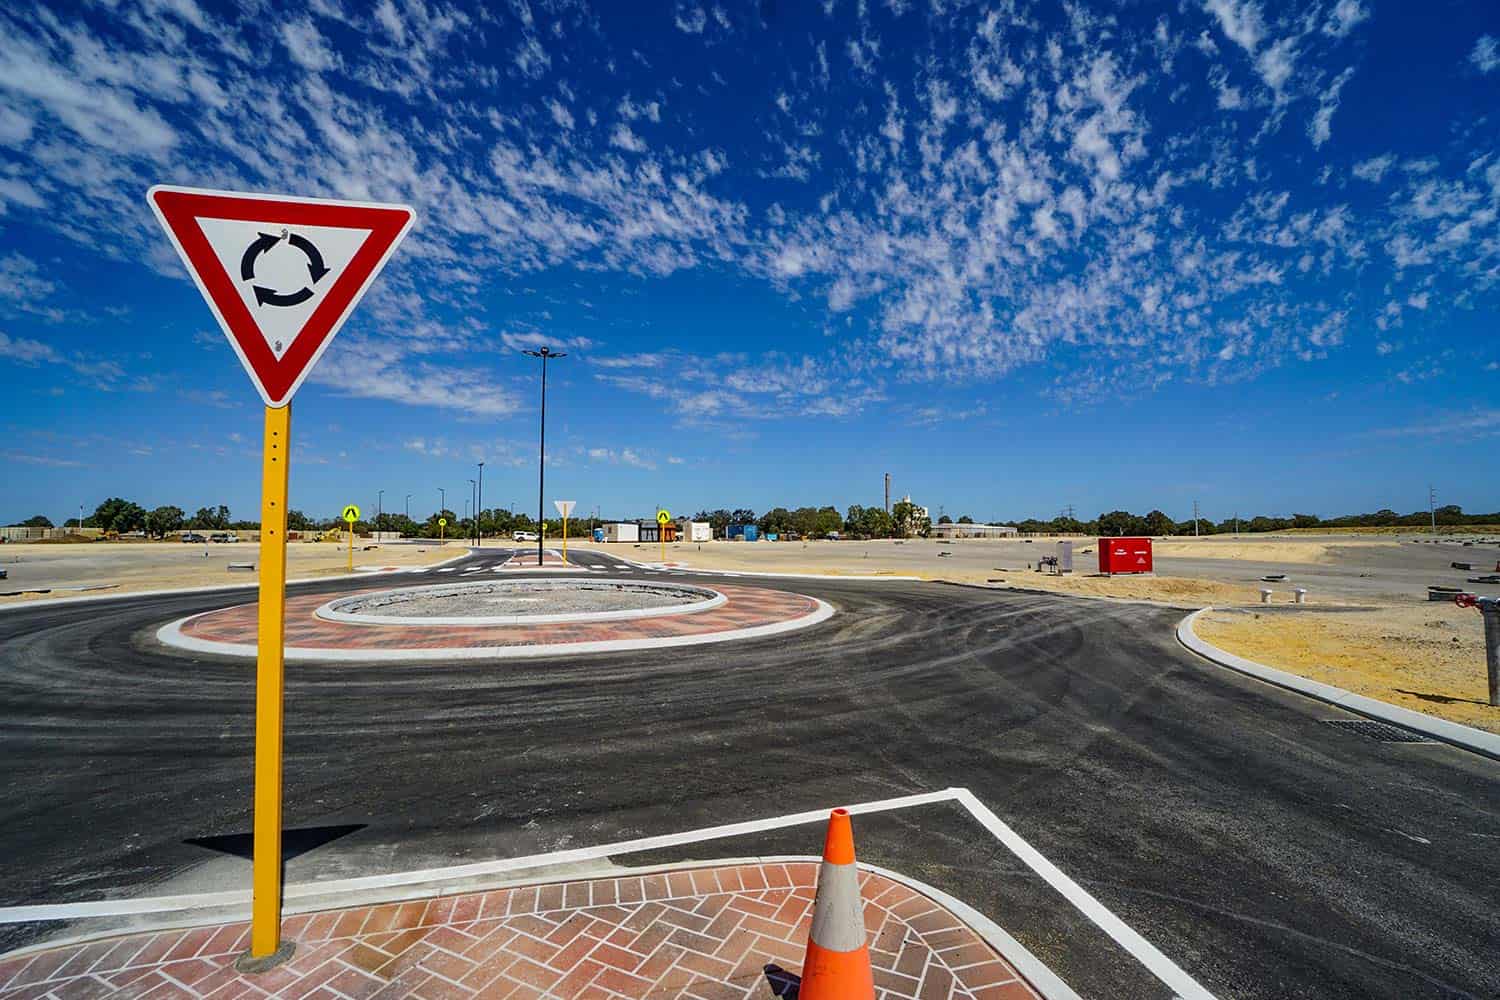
{"points": [[706, 933]]}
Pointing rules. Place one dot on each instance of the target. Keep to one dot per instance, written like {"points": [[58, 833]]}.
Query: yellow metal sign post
{"points": [[239, 233], [662, 517], [442, 524], [351, 514], [564, 507], [265, 907]]}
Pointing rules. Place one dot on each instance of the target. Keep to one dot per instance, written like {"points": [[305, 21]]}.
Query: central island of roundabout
{"points": [[504, 618]]}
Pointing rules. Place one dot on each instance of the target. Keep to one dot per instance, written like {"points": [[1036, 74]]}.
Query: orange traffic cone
{"points": [[837, 966]]}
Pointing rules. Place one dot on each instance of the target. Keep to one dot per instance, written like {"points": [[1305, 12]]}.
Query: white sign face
{"points": [[564, 507], [284, 272]]}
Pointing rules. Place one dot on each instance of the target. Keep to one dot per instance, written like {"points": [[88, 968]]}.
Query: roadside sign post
{"points": [[662, 517], [564, 507], [442, 525], [281, 275], [351, 514]]}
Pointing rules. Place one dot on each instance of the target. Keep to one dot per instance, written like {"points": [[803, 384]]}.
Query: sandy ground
{"points": [[1379, 636], [1428, 658], [122, 567]]}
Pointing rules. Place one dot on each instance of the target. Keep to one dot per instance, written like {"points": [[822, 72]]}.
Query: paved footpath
{"points": [[718, 932]]}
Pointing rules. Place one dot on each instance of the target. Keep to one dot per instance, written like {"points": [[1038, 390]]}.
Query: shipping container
{"points": [[622, 532], [1125, 555]]}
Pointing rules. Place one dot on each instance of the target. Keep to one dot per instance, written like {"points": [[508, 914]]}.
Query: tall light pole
{"points": [[442, 501], [479, 506], [474, 505], [379, 504], [541, 466], [1432, 507], [408, 506]]}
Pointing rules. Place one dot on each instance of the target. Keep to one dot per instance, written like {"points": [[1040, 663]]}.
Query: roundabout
{"points": [[500, 619]]}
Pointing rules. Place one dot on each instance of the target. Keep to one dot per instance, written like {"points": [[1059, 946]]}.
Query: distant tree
{"points": [[945, 519], [828, 521], [163, 521], [965, 519], [1158, 523], [743, 516], [298, 521], [908, 521], [777, 520], [718, 520], [1304, 521], [1121, 522], [35, 521]]}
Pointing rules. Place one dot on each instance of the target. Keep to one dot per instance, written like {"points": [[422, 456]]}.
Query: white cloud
{"points": [[1486, 54], [1321, 126], [1344, 17], [1240, 20], [1374, 169], [691, 18], [306, 45]]}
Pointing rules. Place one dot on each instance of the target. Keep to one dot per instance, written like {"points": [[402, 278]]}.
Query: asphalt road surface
{"points": [[1270, 855]]}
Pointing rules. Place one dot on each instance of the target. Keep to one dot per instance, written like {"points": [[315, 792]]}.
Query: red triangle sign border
{"points": [[178, 209]]}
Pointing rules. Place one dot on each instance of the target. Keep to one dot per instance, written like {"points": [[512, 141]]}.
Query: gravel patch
{"points": [[521, 597]]}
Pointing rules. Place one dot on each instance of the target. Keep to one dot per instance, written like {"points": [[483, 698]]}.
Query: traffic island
{"points": [[721, 930], [320, 626]]}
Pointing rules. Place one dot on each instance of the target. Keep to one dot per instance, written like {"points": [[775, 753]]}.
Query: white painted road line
{"points": [[1158, 964]]}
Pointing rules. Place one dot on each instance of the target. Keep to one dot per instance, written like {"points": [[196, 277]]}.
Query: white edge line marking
{"points": [[157, 904], [1031, 968], [1465, 737], [1125, 936], [54, 602], [171, 634], [1143, 951], [327, 612]]}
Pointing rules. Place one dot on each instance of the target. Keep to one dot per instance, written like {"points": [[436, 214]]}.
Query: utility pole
{"points": [[379, 504], [545, 354], [408, 506], [1432, 506], [479, 507], [887, 492], [442, 501], [1195, 519], [474, 506]]}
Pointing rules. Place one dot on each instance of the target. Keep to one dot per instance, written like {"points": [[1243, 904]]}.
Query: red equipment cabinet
{"points": [[1125, 555]]}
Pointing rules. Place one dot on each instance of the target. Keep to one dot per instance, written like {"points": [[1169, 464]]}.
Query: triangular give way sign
{"points": [[281, 274]]}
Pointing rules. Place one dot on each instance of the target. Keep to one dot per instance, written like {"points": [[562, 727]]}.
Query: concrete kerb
{"points": [[1032, 969], [170, 591], [1465, 737]]}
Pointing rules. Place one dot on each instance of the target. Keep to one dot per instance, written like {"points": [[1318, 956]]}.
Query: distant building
{"points": [[918, 511], [694, 531], [973, 531], [626, 532]]}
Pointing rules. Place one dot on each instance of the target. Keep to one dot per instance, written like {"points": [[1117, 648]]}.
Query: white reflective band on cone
{"points": [[838, 922]]}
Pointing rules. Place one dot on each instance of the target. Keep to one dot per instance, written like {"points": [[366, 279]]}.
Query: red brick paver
{"points": [[744, 607], [676, 934]]}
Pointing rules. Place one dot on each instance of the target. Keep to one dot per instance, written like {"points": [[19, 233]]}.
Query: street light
{"points": [[541, 466], [473, 504], [408, 506], [479, 505], [442, 501], [379, 505]]}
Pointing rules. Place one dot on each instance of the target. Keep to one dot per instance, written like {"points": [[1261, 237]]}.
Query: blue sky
{"points": [[1020, 255]]}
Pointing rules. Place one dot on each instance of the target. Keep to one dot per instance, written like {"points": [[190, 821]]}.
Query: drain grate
{"points": [[1383, 732]]}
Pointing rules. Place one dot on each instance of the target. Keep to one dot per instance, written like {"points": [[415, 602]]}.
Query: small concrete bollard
{"points": [[1299, 596], [1265, 595]]}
